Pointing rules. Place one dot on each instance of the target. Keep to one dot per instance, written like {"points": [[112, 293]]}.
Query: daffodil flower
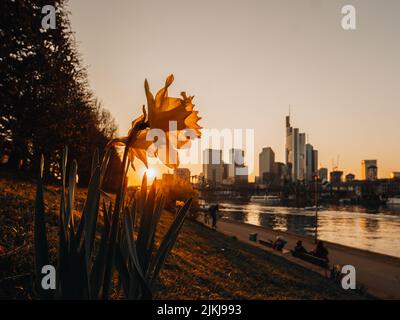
{"points": [[162, 110]]}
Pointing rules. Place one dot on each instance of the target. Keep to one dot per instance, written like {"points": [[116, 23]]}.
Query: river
{"points": [[375, 230]]}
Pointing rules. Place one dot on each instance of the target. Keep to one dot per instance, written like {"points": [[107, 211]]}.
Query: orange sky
{"points": [[246, 61]]}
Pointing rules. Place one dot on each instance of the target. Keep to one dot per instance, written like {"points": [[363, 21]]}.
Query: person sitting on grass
{"points": [[320, 251], [299, 249], [279, 243]]}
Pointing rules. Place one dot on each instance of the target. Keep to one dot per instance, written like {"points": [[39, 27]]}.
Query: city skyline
{"points": [[298, 150], [301, 163], [199, 150], [343, 85]]}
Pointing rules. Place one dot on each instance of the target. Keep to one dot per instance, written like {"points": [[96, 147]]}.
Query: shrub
{"points": [[177, 191]]}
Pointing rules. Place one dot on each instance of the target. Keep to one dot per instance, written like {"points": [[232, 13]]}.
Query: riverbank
{"points": [[375, 230], [204, 264], [379, 274]]}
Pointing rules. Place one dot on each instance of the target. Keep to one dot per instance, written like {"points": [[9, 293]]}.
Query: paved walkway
{"points": [[379, 274]]}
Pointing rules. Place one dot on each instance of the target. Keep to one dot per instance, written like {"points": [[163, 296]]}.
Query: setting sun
{"points": [[151, 173], [155, 170]]}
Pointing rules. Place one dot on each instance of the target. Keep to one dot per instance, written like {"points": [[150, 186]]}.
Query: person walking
{"points": [[214, 215]]}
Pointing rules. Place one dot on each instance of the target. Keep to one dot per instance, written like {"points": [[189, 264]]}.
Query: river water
{"points": [[375, 230]]}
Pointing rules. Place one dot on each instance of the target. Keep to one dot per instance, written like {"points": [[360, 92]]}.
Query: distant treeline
{"points": [[45, 99]]}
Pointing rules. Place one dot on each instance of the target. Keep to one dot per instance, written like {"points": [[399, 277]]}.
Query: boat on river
{"points": [[268, 200], [393, 201], [313, 208]]}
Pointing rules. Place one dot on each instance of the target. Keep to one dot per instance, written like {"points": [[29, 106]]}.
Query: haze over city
{"points": [[245, 63]]}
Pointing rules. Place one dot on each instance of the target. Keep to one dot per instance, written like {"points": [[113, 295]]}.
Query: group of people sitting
{"points": [[319, 251]]}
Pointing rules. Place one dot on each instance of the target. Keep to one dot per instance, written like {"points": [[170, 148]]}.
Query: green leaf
{"points": [[146, 227], [63, 179], [168, 241], [104, 164], [109, 267], [71, 194], [122, 270], [106, 216], [40, 234], [90, 212], [160, 203], [137, 274], [97, 272], [95, 161]]}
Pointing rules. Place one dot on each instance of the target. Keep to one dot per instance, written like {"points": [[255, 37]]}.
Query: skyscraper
{"points": [[302, 157], [315, 163], [237, 171], [213, 167], [309, 162], [336, 176], [350, 177], [323, 174], [369, 170], [291, 148], [266, 163], [295, 152]]}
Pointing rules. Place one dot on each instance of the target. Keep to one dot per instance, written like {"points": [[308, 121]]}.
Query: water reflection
{"points": [[371, 229], [371, 225]]}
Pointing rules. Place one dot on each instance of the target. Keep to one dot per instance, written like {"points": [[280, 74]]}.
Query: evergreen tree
{"points": [[45, 100]]}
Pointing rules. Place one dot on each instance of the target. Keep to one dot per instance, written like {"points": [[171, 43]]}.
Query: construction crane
{"points": [[335, 167]]}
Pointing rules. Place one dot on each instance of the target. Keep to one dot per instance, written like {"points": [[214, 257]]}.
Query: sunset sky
{"points": [[246, 61]]}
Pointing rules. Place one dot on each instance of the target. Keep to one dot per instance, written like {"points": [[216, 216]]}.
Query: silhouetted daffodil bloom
{"points": [[176, 117], [162, 111]]}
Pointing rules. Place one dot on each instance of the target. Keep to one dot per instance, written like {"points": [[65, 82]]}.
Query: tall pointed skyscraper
{"points": [[295, 152]]}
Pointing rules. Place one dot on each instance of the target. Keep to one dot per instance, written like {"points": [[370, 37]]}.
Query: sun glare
{"points": [[151, 173]]}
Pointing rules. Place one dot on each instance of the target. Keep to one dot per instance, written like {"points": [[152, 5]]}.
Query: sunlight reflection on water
{"points": [[373, 230]]}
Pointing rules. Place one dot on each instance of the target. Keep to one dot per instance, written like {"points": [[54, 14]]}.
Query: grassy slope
{"points": [[203, 265]]}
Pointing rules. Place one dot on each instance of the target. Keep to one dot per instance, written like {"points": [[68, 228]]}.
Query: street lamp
{"points": [[316, 207]]}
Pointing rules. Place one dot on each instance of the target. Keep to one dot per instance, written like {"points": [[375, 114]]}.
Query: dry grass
{"points": [[203, 265], [208, 265]]}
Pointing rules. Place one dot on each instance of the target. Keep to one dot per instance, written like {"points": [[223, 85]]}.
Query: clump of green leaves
{"points": [[125, 245]]}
